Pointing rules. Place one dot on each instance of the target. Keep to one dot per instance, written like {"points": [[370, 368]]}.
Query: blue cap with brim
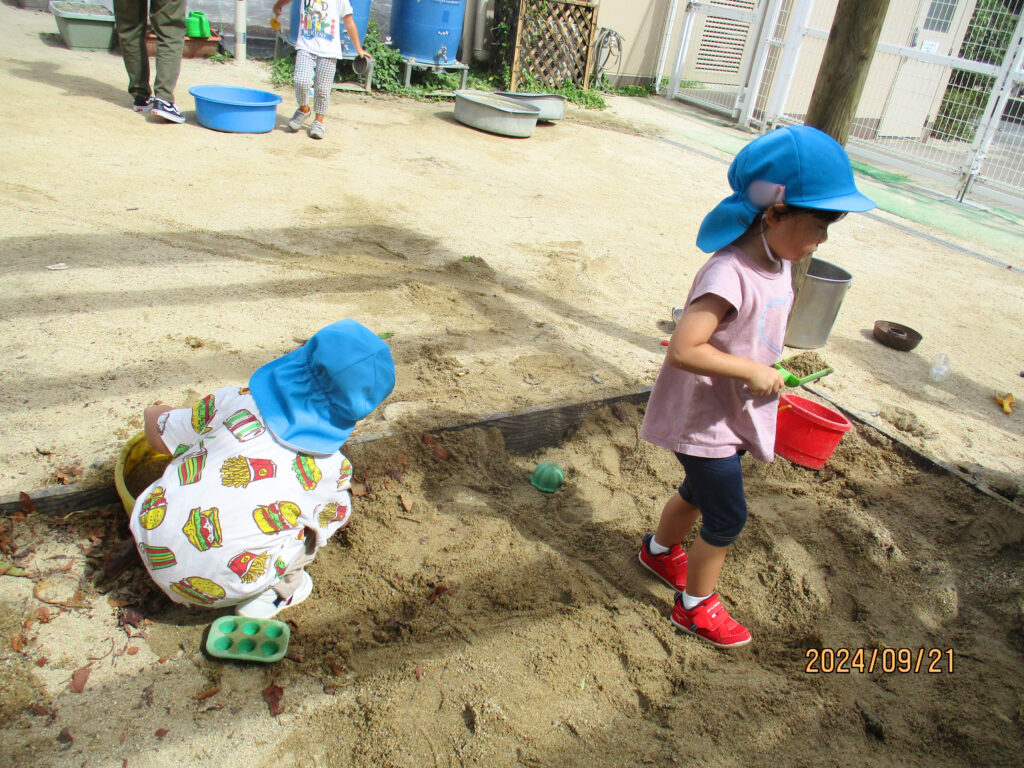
{"points": [[797, 165], [312, 397]]}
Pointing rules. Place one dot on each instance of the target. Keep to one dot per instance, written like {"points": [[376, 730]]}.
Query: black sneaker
{"points": [[143, 104], [167, 111]]}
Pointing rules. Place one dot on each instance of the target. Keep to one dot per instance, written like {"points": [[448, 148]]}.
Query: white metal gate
{"points": [[945, 89]]}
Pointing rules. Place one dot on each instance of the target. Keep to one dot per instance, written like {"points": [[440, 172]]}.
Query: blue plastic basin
{"points": [[236, 110]]}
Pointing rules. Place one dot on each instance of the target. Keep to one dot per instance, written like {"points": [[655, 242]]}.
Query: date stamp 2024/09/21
{"points": [[846, 661]]}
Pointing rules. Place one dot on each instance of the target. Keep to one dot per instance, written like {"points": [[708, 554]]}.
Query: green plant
{"points": [[387, 62], [636, 91], [221, 57], [587, 99], [282, 70], [691, 84], [388, 72], [503, 39], [989, 32], [440, 81], [962, 106], [641, 91], [987, 41], [484, 81]]}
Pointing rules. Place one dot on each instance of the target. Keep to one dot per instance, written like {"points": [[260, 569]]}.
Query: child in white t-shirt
{"points": [[257, 482], [716, 396], [317, 50]]}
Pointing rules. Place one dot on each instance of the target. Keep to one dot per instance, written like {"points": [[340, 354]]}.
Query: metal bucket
{"points": [[817, 305]]}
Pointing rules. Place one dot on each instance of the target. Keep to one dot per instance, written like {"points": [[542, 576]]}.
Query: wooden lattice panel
{"points": [[554, 42]]}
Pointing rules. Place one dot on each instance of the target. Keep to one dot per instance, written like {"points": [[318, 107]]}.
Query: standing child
{"points": [[258, 482], [317, 50], [716, 395]]}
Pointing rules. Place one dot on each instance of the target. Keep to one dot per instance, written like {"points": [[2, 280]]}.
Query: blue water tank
{"points": [[428, 30], [360, 15]]}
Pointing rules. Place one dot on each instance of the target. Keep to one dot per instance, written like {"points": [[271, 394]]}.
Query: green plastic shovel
{"points": [[795, 381]]}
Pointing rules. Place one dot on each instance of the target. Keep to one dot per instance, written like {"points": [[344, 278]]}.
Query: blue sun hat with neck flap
{"points": [[797, 165], [312, 397]]}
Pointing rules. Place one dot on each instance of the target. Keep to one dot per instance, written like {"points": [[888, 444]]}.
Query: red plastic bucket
{"points": [[807, 433]]}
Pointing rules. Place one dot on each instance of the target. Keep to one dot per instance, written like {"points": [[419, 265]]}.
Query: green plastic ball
{"points": [[547, 477]]}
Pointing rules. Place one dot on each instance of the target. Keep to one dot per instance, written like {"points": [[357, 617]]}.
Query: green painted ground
{"points": [[999, 231], [994, 231]]}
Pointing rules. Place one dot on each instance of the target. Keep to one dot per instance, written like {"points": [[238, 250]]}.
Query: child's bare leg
{"points": [[677, 518], [705, 563]]}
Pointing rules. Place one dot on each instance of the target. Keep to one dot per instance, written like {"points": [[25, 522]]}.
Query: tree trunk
{"points": [[844, 70]]}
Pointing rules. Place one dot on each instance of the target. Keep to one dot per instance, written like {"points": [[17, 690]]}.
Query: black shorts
{"points": [[715, 486]]}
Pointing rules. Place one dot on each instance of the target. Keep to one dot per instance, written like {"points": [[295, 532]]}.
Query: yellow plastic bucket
{"points": [[136, 455]]}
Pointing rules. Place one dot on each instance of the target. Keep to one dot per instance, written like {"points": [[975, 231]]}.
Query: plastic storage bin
{"points": [[84, 26]]}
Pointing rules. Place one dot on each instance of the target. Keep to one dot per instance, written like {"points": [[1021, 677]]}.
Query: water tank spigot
{"points": [[442, 54]]}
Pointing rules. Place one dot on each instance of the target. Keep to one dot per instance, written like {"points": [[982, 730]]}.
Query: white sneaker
{"points": [[299, 119], [316, 130], [268, 604]]}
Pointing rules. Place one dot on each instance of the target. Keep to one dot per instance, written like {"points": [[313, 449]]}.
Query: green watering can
{"points": [[197, 25]]}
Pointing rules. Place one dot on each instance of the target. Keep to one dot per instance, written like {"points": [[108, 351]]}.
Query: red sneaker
{"points": [[670, 567], [711, 622]]}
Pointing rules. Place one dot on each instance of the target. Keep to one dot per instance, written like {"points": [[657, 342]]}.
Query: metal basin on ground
{"points": [[495, 114], [551, 105]]}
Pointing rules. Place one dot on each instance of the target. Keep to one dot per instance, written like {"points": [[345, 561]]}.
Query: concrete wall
{"points": [[641, 23]]}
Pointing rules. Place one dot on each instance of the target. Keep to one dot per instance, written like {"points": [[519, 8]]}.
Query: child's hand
{"points": [[765, 380], [364, 55], [150, 418]]}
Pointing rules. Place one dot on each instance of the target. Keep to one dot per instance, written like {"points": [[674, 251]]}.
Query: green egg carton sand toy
{"points": [[547, 477], [242, 639]]}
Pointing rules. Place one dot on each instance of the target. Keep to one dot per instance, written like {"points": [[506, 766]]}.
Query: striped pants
{"points": [[317, 71]]}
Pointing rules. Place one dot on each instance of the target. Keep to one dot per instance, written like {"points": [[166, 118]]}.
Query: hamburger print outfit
{"points": [[228, 518]]}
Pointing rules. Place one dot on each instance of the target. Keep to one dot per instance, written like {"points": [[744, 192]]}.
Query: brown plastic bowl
{"points": [[896, 336]]}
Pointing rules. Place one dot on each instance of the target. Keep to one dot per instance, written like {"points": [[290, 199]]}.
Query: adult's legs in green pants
{"points": [[167, 18]]}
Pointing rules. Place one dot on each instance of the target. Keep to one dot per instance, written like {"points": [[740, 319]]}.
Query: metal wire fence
{"points": [[945, 89]]}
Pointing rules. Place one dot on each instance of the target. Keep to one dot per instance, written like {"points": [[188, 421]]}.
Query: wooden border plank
{"points": [[524, 432]]}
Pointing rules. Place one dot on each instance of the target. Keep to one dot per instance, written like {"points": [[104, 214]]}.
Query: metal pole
{"points": [[240, 31], [666, 40], [787, 64], [756, 72], [1001, 91], [684, 44]]}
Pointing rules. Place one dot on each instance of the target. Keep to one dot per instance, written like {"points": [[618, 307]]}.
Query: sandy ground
{"points": [[478, 621]]}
